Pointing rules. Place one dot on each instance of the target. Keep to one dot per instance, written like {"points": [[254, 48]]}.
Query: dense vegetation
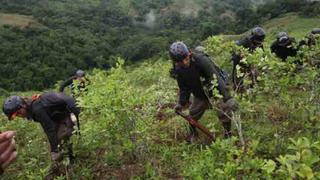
{"points": [[123, 138], [86, 34]]}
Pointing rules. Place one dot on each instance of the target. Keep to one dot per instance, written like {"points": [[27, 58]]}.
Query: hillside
{"points": [[88, 34], [291, 23], [125, 136]]}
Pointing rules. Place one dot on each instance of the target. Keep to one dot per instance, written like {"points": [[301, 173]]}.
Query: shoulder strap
{"points": [[35, 97]]}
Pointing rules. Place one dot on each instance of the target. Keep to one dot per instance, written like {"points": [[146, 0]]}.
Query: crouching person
{"points": [[53, 111]]}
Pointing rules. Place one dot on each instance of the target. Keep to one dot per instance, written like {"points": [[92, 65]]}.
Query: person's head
{"points": [[15, 106], [258, 35], [315, 31], [283, 39], [180, 53], [80, 74], [200, 49]]}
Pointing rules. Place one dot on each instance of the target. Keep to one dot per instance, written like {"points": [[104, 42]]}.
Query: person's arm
{"points": [[65, 84], [184, 93], [49, 128], [273, 47]]}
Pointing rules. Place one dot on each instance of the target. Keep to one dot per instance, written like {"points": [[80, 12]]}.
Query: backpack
{"points": [[222, 73], [58, 105], [58, 101]]}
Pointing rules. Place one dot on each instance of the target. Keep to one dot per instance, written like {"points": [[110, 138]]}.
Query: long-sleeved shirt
{"points": [[70, 82], [249, 44], [190, 79], [283, 51]]}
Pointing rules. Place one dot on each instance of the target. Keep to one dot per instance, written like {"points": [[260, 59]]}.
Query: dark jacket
{"points": [[249, 44], [189, 78], [48, 110], [69, 82], [283, 51]]}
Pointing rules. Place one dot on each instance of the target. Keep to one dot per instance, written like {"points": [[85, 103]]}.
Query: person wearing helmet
{"points": [[283, 46], [200, 49], [53, 111], [313, 37], [252, 42], [78, 83], [195, 74], [8, 151]]}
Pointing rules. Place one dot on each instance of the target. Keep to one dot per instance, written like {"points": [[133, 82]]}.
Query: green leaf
{"points": [[269, 166]]}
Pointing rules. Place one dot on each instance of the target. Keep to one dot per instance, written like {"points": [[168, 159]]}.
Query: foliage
{"points": [[121, 137], [61, 36]]}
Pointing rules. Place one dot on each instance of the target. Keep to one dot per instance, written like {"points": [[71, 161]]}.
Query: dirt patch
{"points": [[21, 21], [277, 114], [127, 171]]}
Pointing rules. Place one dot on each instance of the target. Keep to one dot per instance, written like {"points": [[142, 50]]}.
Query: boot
{"points": [[53, 171], [227, 129], [227, 134], [71, 157]]}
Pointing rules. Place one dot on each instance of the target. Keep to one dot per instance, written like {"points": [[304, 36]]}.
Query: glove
{"points": [[231, 104], [178, 107], [73, 118], [56, 157]]}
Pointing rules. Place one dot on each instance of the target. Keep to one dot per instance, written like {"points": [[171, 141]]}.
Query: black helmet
{"points": [[315, 31], [80, 73], [11, 105], [178, 51], [200, 49], [283, 38], [258, 34]]}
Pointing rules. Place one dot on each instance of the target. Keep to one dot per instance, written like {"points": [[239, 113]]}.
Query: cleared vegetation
{"points": [[18, 20]]}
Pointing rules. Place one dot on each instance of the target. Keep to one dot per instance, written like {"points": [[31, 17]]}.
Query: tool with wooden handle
{"points": [[197, 125]]}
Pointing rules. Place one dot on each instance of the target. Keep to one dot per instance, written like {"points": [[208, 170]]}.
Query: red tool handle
{"points": [[197, 125]]}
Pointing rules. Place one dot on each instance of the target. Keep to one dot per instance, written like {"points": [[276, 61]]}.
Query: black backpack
{"points": [[223, 74], [58, 105]]}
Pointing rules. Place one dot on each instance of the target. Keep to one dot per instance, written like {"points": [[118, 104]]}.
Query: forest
{"points": [[80, 34]]}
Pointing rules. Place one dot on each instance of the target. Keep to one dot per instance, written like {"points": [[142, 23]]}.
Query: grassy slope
{"points": [[122, 138], [291, 23]]}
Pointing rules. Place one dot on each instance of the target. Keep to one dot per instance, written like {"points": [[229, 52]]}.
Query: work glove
{"points": [[231, 104], [56, 157], [178, 107], [73, 118]]}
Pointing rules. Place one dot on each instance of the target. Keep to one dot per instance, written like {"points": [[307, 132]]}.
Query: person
{"points": [[8, 151], [55, 112], [252, 42], [283, 46], [190, 69], [80, 86], [313, 37]]}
